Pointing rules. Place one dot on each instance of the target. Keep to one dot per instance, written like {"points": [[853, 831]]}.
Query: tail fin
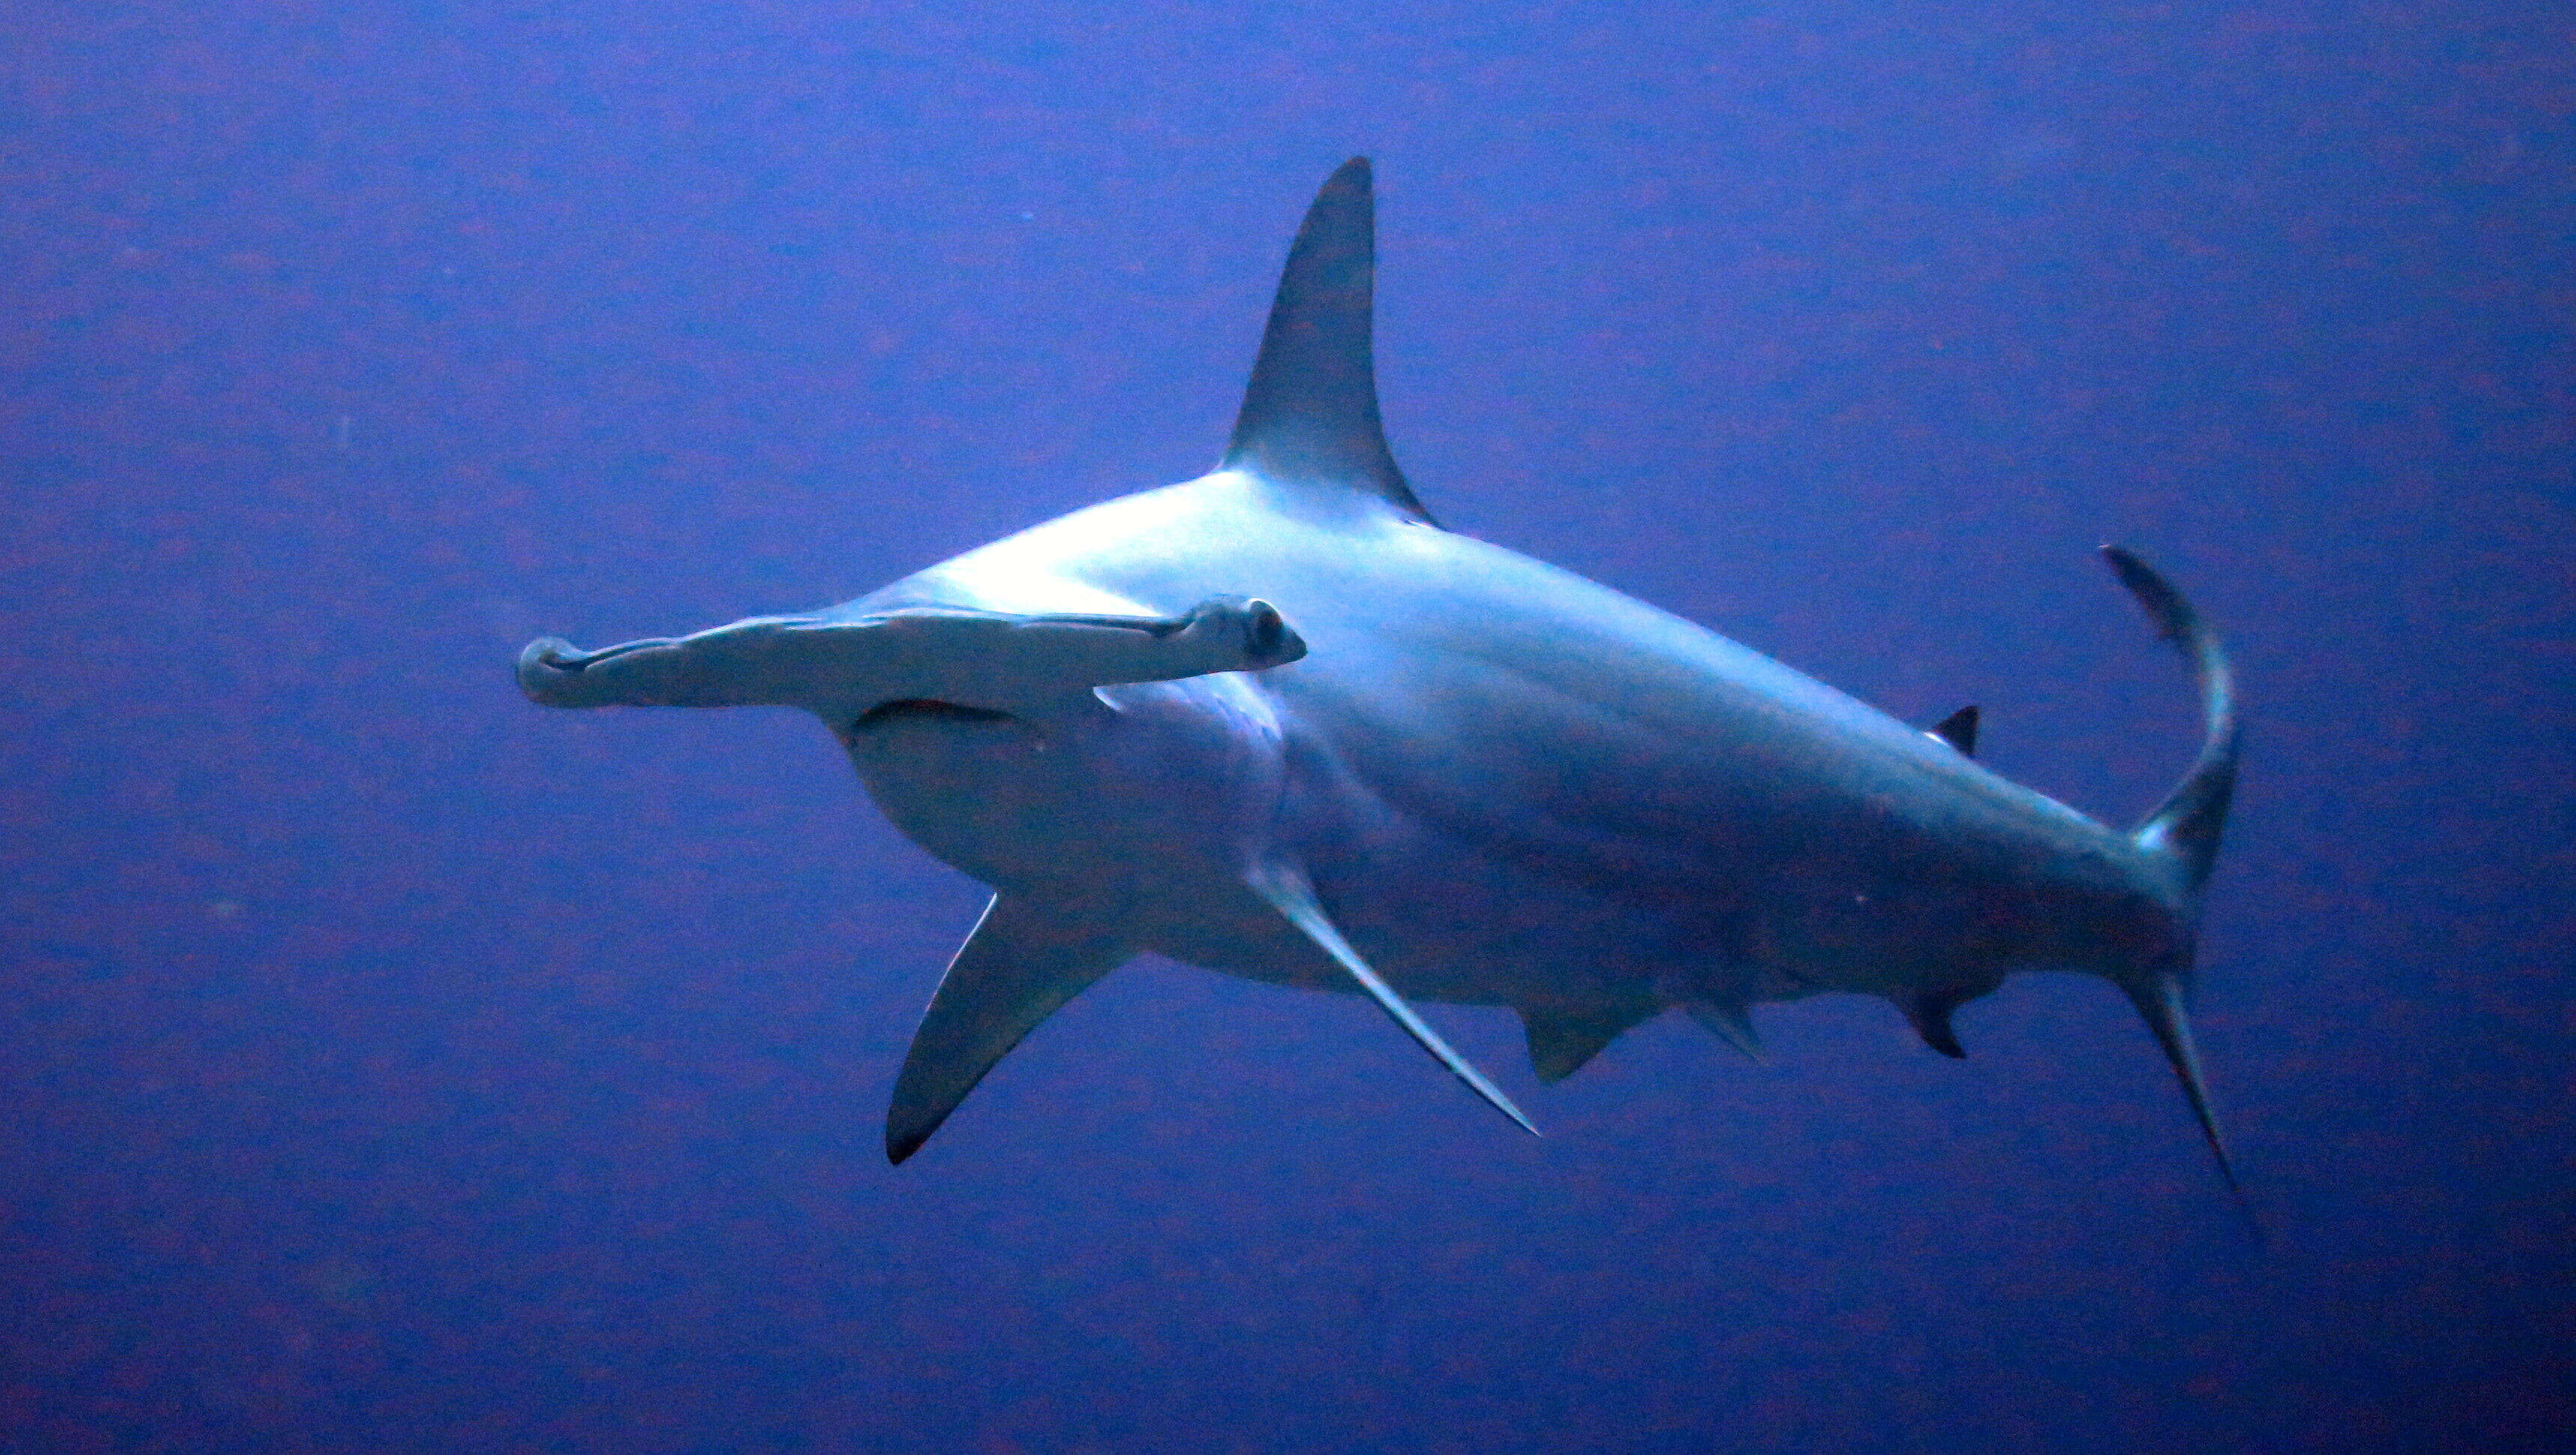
{"points": [[2159, 1001], [2185, 829], [2188, 824]]}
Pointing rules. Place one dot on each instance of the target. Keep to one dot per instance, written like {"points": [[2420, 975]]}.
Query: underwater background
{"points": [[387, 1064]]}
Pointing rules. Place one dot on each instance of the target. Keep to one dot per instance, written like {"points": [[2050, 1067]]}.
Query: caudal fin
{"points": [[2187, 825], [2184, 830]]}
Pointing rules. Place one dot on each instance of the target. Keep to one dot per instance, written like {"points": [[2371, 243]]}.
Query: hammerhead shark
{"points": [[1276, 722]]}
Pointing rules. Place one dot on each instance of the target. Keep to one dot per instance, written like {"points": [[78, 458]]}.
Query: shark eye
{"points": [[1264, 633]]}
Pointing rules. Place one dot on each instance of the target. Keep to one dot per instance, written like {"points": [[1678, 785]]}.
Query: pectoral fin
{"points": [[1024, 960], [1290, 894]]}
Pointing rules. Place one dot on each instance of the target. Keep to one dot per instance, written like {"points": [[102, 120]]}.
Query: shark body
{"points": [[1276, 722]]}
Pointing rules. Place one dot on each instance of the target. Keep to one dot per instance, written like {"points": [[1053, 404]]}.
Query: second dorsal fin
{"points": [[1959, 730], [1309, 421]]}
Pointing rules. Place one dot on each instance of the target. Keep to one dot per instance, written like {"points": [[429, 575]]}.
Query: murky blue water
{"points": [[386, 1064]]}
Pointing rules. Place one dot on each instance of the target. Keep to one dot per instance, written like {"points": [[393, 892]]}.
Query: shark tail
{"points": [[2186, 827], [2184, 831]]}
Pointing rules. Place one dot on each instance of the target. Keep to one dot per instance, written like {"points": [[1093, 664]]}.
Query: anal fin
{"points": [[1560, 1042], [1929, 1012], [1024, 960], [1288, 891]]}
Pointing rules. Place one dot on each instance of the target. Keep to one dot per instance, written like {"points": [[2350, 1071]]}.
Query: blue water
{"points": [[389, 1065]]}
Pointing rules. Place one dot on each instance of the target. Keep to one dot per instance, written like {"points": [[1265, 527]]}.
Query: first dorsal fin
{"points": [[1309, 421]]}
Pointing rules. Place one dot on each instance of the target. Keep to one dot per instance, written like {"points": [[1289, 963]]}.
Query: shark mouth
{"points": [[923, 709]]}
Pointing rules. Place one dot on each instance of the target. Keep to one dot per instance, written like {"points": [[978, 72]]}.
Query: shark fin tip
{"points": [[1929, 1012], [1561, 1044]]}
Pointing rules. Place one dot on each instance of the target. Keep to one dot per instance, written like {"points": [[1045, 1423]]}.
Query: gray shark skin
{"points": [[1276, 722]]}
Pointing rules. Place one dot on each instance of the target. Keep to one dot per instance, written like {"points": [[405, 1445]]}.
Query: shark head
{"points": [[849, 663]]}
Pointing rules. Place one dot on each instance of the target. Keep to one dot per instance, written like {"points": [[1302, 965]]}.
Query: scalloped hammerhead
{"points": [[1276, 722]]}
